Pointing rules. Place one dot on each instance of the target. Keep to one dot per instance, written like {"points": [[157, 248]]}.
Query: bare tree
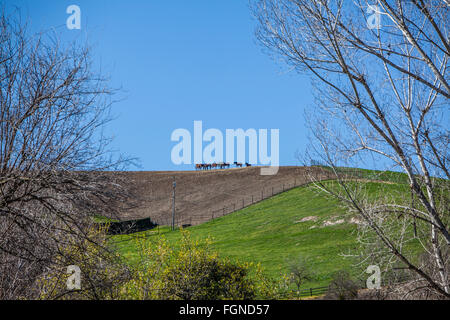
{"points": [[382, 93], [53, 155], [300, 272]]}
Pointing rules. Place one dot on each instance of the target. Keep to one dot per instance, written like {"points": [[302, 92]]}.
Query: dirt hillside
{"points": [[204, 195]]}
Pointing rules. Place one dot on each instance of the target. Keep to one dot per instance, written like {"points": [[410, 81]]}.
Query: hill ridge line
{"points": [[205, 195]]}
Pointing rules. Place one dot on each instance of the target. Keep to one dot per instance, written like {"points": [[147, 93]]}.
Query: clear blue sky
{"points": [[180, 61]]}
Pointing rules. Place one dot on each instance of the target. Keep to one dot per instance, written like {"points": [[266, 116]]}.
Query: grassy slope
{"points": [[269, 233]]}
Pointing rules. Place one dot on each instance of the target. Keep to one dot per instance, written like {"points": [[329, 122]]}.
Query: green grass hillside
{"points": [[273, 233]]}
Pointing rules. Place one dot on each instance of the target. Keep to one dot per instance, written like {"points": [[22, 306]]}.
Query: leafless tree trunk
{"points": [[53, 156], [382, 93]]}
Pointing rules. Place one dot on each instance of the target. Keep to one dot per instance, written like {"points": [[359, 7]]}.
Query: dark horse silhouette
{"points": [[248, 164], [238, 164], [223, 165], [209, 166], [203, 166]]}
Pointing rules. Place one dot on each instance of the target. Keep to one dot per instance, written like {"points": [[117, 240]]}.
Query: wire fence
{"points": [[311, 292], [242, 202], [199, 206], [359, 284], [237, 204], [196, 206]]}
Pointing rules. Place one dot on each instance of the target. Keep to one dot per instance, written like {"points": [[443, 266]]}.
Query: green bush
{"points": [[192, 272], [188, 271]]}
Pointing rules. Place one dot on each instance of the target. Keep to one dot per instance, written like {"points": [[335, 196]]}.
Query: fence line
{"points": [[235, 205], [240, 203], [313, 291], [243, 202], [360, 283]]}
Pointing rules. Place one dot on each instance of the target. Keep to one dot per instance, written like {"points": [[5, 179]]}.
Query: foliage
{"points": [[54, 158], [102, 272], [358, 119], [191, 272], [275, 233], [300, 272]]}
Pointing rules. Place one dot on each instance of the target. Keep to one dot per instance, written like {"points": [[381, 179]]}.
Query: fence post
{"points": [[310, 289]]}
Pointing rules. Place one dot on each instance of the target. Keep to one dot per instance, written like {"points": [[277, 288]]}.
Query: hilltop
{"points": [[204, 195]]}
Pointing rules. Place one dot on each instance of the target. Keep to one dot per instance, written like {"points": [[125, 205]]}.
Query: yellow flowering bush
{"points": [[193, 272], [190, 270], [101, 271]]}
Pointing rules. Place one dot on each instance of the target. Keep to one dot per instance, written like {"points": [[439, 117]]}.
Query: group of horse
{"points": [[221, 165]]}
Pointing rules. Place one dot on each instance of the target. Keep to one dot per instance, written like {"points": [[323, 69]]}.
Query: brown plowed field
{"points": [[204, 195]]}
